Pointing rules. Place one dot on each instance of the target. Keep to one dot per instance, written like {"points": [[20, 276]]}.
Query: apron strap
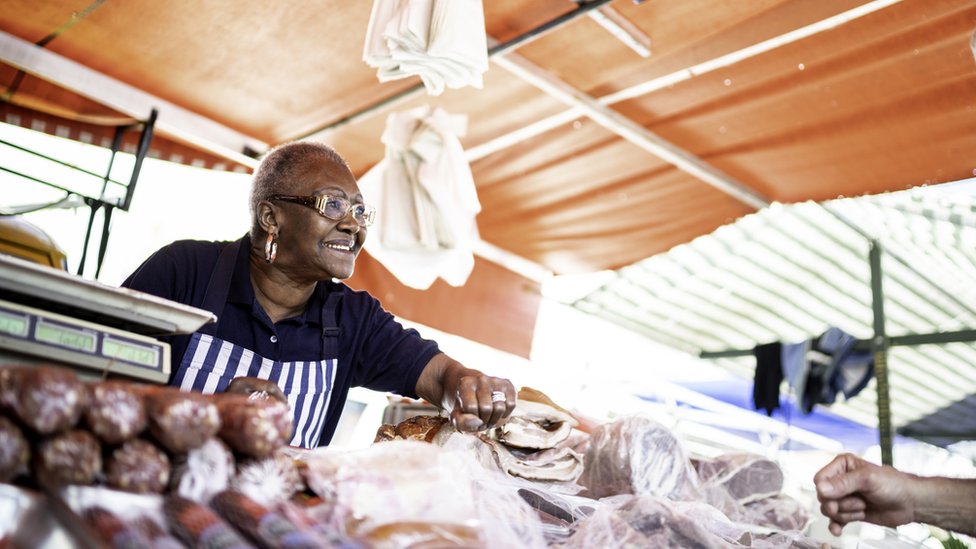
{"points": [[218, 287], [330, 325]]}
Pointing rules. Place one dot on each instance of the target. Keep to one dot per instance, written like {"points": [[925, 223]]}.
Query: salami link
{"points": [[138, 466], [180, 421], [46, 399], [116, 412], [14, 450], [73, 457], [254, 427]]}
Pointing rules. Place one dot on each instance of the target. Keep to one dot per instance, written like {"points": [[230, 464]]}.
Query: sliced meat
{"points": [[558, 464]]}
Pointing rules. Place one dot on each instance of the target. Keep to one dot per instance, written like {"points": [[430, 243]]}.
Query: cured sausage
{"points": [[72, 457], [116, 412], [266, 527], [197, 526], [254, 427], [14, 450], [138, 466], [180, 421], [46, 399]]}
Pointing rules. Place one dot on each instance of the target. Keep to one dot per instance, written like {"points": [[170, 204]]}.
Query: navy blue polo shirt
{"points": [[375, 350]]}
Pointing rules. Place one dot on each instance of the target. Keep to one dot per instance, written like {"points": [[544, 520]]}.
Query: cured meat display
{"points": [[637, 455], [147, 466]]}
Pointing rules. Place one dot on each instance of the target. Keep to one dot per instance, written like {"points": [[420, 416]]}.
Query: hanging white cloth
{"points": [[425, 198], [441, 41]]}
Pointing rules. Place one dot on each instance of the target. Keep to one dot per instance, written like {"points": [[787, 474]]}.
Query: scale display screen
{"points": [[16, 325], [130, 352], [59, 338], [79, 340]]}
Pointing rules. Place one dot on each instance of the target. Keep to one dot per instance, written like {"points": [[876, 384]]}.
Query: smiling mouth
{"points": [[341, 247]]}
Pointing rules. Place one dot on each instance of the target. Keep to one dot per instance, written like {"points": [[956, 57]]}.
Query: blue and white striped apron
{"points": [[210, 363]]}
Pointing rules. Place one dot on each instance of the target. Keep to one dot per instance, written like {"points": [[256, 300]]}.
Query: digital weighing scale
{"points": [[53, 317]]}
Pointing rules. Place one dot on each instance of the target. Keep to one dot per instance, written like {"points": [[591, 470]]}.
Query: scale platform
{"points": [[50, 316]]}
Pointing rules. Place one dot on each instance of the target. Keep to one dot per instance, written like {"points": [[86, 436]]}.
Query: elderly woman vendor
{"points": [[287, 326]]}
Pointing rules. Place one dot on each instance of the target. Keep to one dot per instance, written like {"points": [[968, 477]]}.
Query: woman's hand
{"points": [[481, 402], [250, 385], [476, 401]]}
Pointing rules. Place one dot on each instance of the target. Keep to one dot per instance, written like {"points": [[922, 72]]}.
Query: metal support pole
{"points": [[880, 345]]}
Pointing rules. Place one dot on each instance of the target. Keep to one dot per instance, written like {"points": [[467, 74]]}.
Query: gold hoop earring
{"points": [[271, 248]]}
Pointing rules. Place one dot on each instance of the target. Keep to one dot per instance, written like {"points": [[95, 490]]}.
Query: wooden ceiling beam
{"points": [[629, 130], [539, 127], [173, 121]]}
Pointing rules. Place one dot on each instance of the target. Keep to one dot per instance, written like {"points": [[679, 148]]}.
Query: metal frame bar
{"points": [[173, 120], [541, 126], [495, 49]]}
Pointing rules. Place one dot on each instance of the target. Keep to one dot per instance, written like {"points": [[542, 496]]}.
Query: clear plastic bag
{"points": [[637, 455], [400, 492]]}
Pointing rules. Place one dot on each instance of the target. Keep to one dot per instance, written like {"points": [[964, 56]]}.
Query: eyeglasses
{"points": [[335, 208]]}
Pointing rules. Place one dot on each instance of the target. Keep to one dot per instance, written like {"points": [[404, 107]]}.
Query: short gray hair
{"points": [[277, 173]]}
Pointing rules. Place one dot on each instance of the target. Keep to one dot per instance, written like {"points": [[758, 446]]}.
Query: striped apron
{"points": [[210, 363]]}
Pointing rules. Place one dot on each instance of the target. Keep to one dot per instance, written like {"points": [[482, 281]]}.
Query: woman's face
{"points": [[310, 245]]}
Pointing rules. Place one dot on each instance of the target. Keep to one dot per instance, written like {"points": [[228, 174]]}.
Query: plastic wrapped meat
{"points": [[781, 512], [14, 450], [746, 477], [73, 457], [405, 489], [46, 399], [113, 530], [116, 412], [138, 466], [253, 426], [266, 527], [197, 525], [641, 521], [180, 421], [637, 455], [269, 480], [203, 471]]}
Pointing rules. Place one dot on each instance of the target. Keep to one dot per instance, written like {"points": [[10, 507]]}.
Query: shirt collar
{"points": [[242, 292]]}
